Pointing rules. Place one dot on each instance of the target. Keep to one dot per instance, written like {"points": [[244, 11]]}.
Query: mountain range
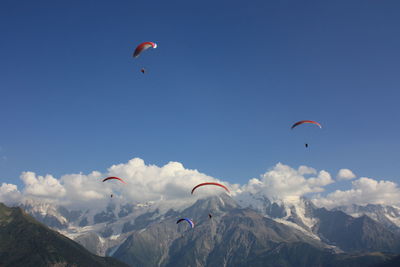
{"points": [[27, 242], [244, 230]]}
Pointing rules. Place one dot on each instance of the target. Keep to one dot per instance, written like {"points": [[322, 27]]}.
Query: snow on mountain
{"points": [[296, 210], [387, 215], [102, 231], [45, 212]]}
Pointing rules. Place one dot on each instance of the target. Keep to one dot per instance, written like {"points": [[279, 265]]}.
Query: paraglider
{"points": [[191, 223], [305, 121], [217, 184], [113, 178], [142, 47], [209, 216]]}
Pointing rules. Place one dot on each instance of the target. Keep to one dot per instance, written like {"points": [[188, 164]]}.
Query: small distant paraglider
{"points": [[143, 47], [209, 216], [217, 184], [305, 121], [113, 178], [189, 221]]}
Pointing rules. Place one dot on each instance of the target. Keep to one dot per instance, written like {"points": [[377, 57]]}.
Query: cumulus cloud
{"points": [[364, 191], [345, 174], [42, 186], [150, 182], [285, 183], [9, 194], [144, 183], [173, 182]]}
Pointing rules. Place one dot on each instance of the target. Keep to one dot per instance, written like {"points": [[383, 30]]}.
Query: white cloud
{"points": [[39, 186], [9, 194], [345, 174], [303, 170], [150, 182], [364, 191], [285, 183], [146, 182], [143, 183]]}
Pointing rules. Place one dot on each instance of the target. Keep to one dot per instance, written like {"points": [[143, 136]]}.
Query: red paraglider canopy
{"points": [[142, 47], [113, 178], [217, 184], [306, 121]]}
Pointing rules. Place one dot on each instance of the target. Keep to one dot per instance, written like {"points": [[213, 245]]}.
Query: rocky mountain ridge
{"points": [[119, 229]]}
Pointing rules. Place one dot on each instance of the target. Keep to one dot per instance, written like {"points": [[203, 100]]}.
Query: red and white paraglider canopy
{"points": [[142, 47]]}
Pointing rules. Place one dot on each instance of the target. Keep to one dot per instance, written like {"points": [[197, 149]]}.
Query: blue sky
{"points": [[223, 87]]}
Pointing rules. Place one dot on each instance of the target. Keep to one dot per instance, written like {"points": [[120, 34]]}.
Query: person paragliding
{"points": [[141, 48], [113, 178], [209, 216], [305, 121]]}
